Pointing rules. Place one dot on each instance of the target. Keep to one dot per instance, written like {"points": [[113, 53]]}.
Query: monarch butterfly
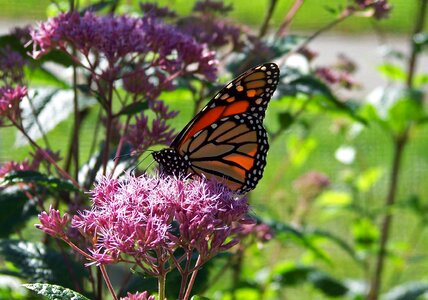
{"points": [[226, 139]]}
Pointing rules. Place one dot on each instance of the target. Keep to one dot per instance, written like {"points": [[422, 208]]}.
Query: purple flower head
{"points": [[52, 223], [122, 38], [212, 7], [145, 133], [22, 33], [9, 100], [11, 66], [379, 8], [153, 10], [213, 32], [135, 216]]}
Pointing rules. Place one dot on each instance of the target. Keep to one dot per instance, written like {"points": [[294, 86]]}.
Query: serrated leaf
{"points": [[328, 285], [134, 108], [37, 263], [55, 292], [53, 183], [15, 210], [408, 291]]}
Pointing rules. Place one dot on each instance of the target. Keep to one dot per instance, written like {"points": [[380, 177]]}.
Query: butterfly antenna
{"points": [[151, 163], [134, 168]]}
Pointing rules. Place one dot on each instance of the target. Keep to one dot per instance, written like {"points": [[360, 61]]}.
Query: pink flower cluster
{"points": [[9, 100], [148, 218]]}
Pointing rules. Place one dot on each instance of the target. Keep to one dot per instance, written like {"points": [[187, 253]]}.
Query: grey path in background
{"points": [[365, 50]]}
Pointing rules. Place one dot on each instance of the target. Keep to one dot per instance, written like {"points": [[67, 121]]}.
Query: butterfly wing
{"points": [[248, 93], [232, 150]]}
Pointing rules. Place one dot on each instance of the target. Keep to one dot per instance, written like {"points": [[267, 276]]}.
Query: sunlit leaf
{"points": [[365, 233], [368, 178], [55, 292], [334, 199], [392, 72], [420, 79]]}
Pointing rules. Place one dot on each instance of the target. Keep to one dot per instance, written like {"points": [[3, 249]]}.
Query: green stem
{"points": [[193, 277], [375, 284], [161, 286], [269, 13]]}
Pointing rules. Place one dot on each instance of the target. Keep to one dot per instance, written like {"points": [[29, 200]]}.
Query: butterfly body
{"points": [[226, 140]]}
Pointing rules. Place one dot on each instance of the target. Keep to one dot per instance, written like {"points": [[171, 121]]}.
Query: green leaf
{"points": [[299, 236], [134, 108], [365, 233], [98, 6], [392, 72], [16, 210], [334, 199], [286, 119], [38, 263], [42, 77], [420, 79], [408, 291], [196, 297], [49, 106], [291, 274], [327, 284], [55, 292], [395, 108], [52, 183], [420, 40], [321, 95], [368, 178]]}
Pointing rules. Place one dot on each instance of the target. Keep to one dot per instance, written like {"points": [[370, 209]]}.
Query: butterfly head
{"points": [[171, 163]]}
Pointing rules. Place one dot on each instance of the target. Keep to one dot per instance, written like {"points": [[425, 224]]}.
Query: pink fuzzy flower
{"points": [[52, 223], [146, 216]]}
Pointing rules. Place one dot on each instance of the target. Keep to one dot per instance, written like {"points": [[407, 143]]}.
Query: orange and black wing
{"points": [[232, 150], [249, 93]]}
